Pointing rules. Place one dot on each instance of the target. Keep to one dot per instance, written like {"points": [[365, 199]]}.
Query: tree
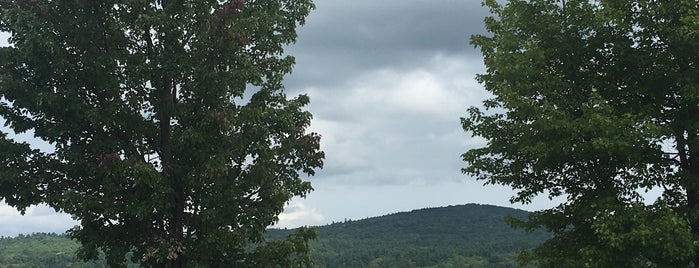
{"points": [[171, 135], [595, 102]]}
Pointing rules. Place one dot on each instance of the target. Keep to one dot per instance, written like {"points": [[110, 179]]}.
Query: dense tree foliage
{"points": [[170, 134], [458, 236], [41, 250], [595, 102]]}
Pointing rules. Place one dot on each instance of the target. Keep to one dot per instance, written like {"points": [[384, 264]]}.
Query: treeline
{"points": [[41, 250], [455, 236], [46, 250]]}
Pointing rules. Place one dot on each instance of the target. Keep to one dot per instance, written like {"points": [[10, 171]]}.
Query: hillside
{"points": [[455, 236]]}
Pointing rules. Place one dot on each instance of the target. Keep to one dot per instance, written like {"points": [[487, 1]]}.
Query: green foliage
{"points": [[595, 101], [292, 252], [172, 138], [455, 236]]}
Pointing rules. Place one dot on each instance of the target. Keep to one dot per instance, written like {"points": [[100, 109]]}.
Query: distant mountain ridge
{"points": [[469, 235], [455, 236]]}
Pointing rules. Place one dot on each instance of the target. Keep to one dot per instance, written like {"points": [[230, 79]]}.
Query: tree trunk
{"points": [[693, 204], [175, 228], [689, 163]]}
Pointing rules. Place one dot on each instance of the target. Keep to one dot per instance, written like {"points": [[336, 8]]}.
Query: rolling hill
{"points": [[455, 236]]}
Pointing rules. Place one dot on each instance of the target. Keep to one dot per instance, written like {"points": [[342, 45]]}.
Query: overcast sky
{"points": [[388, 82]]}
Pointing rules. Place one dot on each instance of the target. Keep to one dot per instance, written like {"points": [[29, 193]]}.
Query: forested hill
{"points": [[455, 236]]}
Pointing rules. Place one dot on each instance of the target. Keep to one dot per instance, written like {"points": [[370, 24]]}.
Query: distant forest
{"points": [[41, 250], [455, 236]]}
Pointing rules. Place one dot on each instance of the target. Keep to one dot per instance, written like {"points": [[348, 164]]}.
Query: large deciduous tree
{"points": [[171, 137], [596, 103]]}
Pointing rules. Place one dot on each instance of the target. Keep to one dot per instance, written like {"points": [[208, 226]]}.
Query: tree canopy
{"points": [[171, 136], [595, 102]]}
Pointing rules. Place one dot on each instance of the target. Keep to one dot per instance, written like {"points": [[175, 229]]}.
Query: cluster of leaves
{"points": [[595, 102]]}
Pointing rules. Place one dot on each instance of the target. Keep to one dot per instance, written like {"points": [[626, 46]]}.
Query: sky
{"points": [[388, 82]]}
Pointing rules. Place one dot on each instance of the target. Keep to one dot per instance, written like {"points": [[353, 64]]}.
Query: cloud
{"points": [[39, 218], [342, 39], [396, 126], [392, 25], [3, 39], [440, 89], [296, 214]]}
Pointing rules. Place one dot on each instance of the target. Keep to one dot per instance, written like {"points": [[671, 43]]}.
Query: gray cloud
{"points": [[343, 38], [394, 126], [392, 25]]}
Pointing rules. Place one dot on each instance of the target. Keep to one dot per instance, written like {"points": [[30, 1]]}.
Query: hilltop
{"points": [[456, 236]]}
